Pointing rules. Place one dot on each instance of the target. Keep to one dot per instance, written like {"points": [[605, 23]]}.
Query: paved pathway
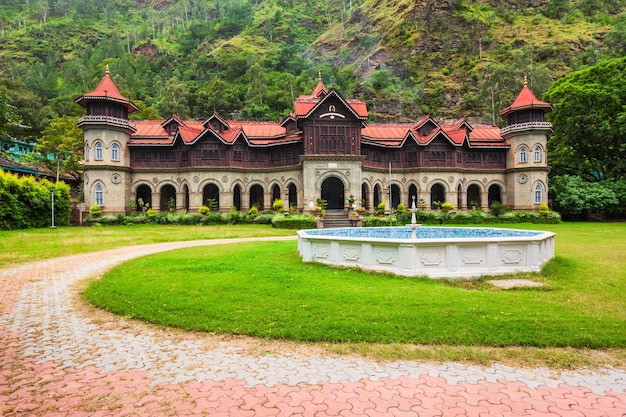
{"points": [[59, 357]]}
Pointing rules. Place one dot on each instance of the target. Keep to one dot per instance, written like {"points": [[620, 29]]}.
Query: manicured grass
{"points": [[19, 246], [264, 290]]}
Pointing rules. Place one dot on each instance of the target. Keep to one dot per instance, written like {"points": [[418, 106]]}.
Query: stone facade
{"points": [[325, 149]]}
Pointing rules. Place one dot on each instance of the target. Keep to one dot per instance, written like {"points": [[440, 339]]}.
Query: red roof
{"points": [[526, 100], [106, 90]]}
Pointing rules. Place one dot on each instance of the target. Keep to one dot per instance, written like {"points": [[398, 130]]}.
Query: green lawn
{"points": [[264, 290], [19, 246]]}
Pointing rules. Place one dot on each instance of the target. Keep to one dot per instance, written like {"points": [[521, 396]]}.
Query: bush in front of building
{"points": [[470, 217], [298, 221], [26, 202]]}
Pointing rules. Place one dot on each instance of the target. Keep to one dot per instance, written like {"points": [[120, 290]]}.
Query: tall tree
{"points": [[589, 121], [64, 140]]}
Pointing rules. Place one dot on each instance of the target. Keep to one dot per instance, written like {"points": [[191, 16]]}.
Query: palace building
{"points": [[324, 149]]}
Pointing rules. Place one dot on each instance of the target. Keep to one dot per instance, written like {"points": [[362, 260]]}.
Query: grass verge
{"points": [[265, 291]]}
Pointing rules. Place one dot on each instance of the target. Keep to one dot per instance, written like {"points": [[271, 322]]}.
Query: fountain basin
{"points": [[435, 252]]}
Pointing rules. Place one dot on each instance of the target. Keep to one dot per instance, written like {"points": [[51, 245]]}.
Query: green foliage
{"points": [[589, 121], [294, 222], [95, 210], [573, 195], [204, 210], [278, 205], [253, 211], [26, 202]]}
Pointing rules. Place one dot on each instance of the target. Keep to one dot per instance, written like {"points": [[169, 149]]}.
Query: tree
{"points": [[589, 121], [8, 117], [573, 195], [64, 140]]}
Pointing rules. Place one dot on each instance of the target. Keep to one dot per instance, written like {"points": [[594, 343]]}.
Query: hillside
{"points": [[251, 58]]}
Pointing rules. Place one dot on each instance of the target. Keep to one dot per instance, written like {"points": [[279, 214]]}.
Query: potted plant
{"points": [[354, 215], [474, 204], [351, 200]]}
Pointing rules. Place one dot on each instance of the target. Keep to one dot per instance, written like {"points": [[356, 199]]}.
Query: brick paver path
{"points": [[59, 357]]}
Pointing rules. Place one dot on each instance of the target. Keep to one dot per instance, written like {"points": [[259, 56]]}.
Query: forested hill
{"points": [[250, 58]]}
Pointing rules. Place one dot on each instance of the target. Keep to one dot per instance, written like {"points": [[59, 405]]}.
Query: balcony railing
{"points": [[520, 127], [105, 120]]}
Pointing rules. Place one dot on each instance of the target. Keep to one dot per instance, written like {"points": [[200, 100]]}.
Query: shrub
{"points": [[26, 202], [380, 209], [401, 208], [299, 221], [95, 210], [447, 207], [544, 210], [204, 210], [151, 213], [254, 211], [265, 218], [278, 205]]}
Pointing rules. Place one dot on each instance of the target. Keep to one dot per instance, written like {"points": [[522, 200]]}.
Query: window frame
{"points": [[523, 154], [537, 154], [98, 150], [98, 195], [115, 152], [538, 194]]}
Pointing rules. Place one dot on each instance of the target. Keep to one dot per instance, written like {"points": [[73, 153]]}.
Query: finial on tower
{"points": [[525, 81], [319, 76], [106, 71]]}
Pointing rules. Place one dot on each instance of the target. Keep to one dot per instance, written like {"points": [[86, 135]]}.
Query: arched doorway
{"points": [[364, 196], [473, 196], [395, 196], [143, 197], [332, 192], [237, 197], [293, 195], [211, 197], [256, 197], [186, 197], [168, 198], [412, 196], [437, 194], [494, 194], [377, 196], [276, 194]]}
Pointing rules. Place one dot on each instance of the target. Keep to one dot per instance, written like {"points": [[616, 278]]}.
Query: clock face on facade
{"points": [[115, 178], [522, 179]]}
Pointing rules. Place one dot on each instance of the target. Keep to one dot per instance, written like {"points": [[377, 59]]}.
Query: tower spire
{"points": [[319, 76], [525, 81], [106, 71]]}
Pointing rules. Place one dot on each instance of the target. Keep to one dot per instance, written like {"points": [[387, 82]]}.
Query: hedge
{"points": [[298, 221], [470, 217], [25, 202]]}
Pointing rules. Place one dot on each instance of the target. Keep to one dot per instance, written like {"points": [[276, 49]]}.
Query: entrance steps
{"points": [[337, 218]]}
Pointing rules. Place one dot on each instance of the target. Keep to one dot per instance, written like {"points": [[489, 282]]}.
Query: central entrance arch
{"points": [[332, 192]]}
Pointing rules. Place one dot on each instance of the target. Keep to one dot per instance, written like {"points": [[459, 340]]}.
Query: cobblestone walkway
{"points": [[60, 358]]}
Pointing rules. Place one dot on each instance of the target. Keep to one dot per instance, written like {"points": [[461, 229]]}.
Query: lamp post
{"points": [[52, 226]]}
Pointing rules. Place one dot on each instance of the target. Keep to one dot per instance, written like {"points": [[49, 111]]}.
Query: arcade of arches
{"points": [[333, 190]]}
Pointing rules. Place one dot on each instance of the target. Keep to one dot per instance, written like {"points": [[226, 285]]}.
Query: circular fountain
{"points": [[435, 252]]}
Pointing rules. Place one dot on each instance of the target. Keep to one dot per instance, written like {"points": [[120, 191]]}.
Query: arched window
{"points": [[537, 153], [98, 151], [538, 193], [523, 154], [115, 152], [98, 195]]}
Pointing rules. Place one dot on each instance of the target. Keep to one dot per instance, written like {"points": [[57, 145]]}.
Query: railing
{"points": [[107, 120], [520, 127]]}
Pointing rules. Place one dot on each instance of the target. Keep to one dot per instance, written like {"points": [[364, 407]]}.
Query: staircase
{"points": [[337, 218]]}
